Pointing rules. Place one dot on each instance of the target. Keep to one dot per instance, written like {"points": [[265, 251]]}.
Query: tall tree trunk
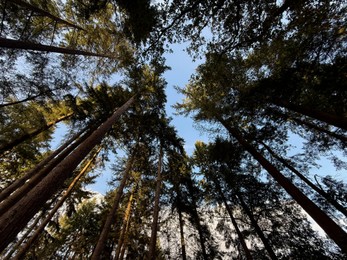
{"points": [[310, 125], [321, 192], [18, 216], [19, 182], [21, 187], [38, 231], [181, 223], [154, 229], [25, 45], [334, 231], [27, 136], [338, 121], [256, 227], [100, 246], [45, 13], [233, 220], [125, 225]]}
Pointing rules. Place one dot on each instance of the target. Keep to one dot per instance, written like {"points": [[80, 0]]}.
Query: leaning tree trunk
{"points": [[256, 227], [100, 246], [233, 220], [45, 13], [153, 239], [334, 231], [13, 221], [21, 187], [321, 192], [338, 121], [28, 136], [125, 225], [38, 231], [25, 45]]}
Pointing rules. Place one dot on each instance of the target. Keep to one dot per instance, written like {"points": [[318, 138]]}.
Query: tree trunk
{"points": [[321, 192], [334, 231], [23, 186], [338, 121], [38, 231], [19, 182], [233, 220], [25, 45], [124, 226], [99, 248], [153, 239], [180, 219], [28, 136], [19, 215], [256, 227], [45, 13]]}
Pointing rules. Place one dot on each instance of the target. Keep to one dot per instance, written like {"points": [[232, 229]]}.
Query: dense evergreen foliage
{"points": [[271, 71]]}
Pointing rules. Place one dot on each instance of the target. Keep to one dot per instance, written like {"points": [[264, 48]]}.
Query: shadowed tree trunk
{"points": [[334, 231], [154, 229], [45, 13], [48, 218], [181, 223], [321, 192], [24, 45], [100, 246], [256, 227], [28, 136], [18, 216]]}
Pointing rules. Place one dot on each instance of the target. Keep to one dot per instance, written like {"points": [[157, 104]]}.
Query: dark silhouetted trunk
{"points": [[181, 223], [24, 45], [256, 227], [321, 192], [334, 231], [28, 136], [44, 13], [48, 218], [18, 216], [331, 119], [154, 229], [100, 246]]}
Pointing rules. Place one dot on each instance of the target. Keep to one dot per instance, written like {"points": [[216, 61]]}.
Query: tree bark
{"points": [[28, 136], [38, 231], [180, 219], [154, 229], [19, 215], [124, 226], [256, 227], [334, 231], [99, 248], [338, 121], [321, 192], [45, 13], [25, 45], [233, 220]]}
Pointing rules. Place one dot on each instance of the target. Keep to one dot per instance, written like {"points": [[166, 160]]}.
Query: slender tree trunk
{"points": [[334, 231], [321, 192], [256, 227], [100, 246], [125, 225], [310, 125], [180, 219], [18, 216], [38, 231], [338, 121], [21, 187], [19, 182], [153, 239], [28, 136], [233, 220], [45, 13], [25, 45]]}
